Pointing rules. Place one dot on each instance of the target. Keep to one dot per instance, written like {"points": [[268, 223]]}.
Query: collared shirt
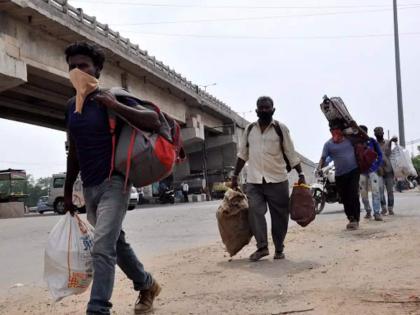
{"points": [[264, 156], [386, 166]]}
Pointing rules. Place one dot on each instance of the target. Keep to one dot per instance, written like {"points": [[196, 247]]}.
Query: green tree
{"points": [[36, 189], [416, 163]]}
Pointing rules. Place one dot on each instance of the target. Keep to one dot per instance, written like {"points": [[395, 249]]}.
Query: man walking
{"points": [[371, 179], [347, 174], [90, 151], [386, 173], [268, 148], [185, 189]]}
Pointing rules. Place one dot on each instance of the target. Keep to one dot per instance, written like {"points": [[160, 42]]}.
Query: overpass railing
{"points": [[133, 49]]}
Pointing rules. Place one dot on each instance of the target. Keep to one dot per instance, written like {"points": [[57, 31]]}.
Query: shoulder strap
{"points": [[248, 130], [279, 132]]}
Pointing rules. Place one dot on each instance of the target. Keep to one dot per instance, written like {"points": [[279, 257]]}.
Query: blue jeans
{"points": [[106, 206], [370, 180]]}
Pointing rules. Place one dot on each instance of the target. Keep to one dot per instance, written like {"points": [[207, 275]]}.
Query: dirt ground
{"points": [[328, 270]]}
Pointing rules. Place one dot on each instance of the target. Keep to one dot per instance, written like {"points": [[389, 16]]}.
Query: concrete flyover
{"points": [[34, 84]]}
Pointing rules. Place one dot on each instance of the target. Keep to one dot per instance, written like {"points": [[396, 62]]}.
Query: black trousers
{"points": [[276, 196], [348, 189]]}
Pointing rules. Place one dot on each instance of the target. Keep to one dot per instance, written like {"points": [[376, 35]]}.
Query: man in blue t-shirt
{"points": [[347, 174], [90, 152], [371, 179]]}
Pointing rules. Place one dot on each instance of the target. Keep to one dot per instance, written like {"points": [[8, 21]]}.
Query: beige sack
{"points": [[232, 219]]}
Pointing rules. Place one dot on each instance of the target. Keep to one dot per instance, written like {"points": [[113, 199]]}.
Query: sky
{"points": [[294, 51]]}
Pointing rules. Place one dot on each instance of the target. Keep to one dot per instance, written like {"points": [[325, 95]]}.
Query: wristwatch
{"points": [[301, 174]]}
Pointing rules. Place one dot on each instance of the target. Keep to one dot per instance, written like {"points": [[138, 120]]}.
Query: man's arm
{"points": [[243, 155], [378, 150], [301, 175], [71, 176], [321, 164], [291, 154], [141, 119], [238, 168]]}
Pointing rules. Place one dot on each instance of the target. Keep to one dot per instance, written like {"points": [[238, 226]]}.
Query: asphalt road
{"points": [[151, 231]]}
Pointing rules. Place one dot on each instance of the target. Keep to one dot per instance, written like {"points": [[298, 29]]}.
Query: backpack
{"points": [[277, 128], [144, 157], [365, 156]]}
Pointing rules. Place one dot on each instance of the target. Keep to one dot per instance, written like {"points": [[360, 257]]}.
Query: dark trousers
{"points": [[276, 196], [387, 182], [348, 189], [185, 194]]}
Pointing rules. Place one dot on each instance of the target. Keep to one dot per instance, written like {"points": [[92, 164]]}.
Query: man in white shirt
{"points": [[185, 190], [267, 147]]}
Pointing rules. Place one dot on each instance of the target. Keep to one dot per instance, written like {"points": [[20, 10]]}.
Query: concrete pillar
{"points": [[194, 132], [12, 69]]}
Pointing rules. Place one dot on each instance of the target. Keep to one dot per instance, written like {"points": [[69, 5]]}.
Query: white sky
{"points": [[295, 55]]}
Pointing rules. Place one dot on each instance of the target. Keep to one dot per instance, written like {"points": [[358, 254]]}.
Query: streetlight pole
{"points": [[398, 76], [205, 86]]}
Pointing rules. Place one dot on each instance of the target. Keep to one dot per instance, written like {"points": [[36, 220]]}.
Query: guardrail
{"points": [[133, 49]]}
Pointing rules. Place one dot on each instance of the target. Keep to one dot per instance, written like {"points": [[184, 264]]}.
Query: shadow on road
{"points": [[270, 267], [332, 212]]}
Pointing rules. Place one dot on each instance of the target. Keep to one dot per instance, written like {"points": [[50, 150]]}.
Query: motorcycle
{"points": [[325, 190], [167, 196]]}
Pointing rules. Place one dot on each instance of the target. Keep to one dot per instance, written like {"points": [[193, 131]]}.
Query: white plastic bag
{"points": [[68, 261], [401, 163]]}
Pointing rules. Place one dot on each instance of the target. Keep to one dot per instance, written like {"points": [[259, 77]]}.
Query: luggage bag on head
{"points": [[336, 111]]}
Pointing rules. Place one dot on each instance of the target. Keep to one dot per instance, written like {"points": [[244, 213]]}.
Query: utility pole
{"points": [[398, 75]]}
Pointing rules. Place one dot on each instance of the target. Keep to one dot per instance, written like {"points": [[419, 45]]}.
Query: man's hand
{"points": [[68, 205], [106, 99], [301, 180], [394, 139], [234, 182]]}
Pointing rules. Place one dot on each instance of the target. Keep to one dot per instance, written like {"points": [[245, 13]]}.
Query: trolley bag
{"points": [[336, 111]]}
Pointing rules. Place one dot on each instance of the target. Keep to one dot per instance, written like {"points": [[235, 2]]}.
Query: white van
{"points": [[56, 195]]}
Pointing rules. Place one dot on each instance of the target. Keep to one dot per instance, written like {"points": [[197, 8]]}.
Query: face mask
{"points": [[84, 85], [337, 135], [265, 117]]}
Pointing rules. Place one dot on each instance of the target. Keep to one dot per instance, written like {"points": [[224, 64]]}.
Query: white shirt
{"points": [[264, 156]]}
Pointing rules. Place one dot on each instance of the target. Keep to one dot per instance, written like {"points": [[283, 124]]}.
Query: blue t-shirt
{"points": [[374, 145], [92, 137], [342, 154]]}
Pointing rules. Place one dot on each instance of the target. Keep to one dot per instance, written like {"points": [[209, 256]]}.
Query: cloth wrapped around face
{"points": [[84, 84]]}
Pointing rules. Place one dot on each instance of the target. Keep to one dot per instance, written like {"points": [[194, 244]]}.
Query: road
{"points": [[152, 231]]}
